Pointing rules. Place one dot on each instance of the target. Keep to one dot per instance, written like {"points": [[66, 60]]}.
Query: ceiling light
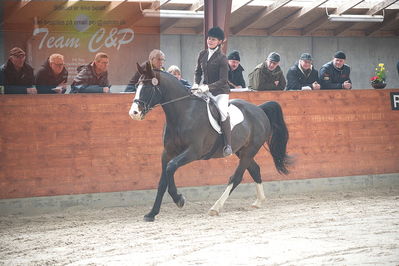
{"points": [[173, 13], [356, 18]]}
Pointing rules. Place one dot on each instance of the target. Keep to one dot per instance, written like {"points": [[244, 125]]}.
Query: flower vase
{"points": [[378, 85]]}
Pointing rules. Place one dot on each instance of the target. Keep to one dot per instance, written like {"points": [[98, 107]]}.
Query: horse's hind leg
{"points": [[235, 180], [254, 171]]}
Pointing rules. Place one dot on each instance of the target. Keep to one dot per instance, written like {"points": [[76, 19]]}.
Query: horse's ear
{"points": [[148, 68], [140, 69]]}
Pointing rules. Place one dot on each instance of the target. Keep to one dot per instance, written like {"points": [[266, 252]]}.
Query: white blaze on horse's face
{"points": [[134, 111]]}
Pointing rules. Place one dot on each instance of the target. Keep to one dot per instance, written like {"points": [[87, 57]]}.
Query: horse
{"points": [[188, 135]]}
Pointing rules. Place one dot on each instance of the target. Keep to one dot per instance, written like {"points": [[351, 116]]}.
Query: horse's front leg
{"points": [[150, 217], [169, 167]]}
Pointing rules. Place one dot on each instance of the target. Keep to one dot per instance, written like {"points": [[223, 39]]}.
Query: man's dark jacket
{"points": [[46, 80], [332, 78], [16, 82], [235, 77], [296, 79], [88, 82], [215, 72]]}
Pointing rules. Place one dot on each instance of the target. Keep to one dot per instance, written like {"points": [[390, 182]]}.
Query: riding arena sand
{"points": [[335, 228]]}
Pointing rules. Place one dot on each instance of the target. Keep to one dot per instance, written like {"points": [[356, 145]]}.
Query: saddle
{"points": [[236, 116]]}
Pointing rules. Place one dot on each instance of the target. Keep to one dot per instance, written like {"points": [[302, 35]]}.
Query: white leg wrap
{"points": [[260, 196], [220, 202]]}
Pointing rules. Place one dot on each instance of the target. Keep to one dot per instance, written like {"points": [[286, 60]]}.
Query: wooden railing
{"points": [[87, 143]]}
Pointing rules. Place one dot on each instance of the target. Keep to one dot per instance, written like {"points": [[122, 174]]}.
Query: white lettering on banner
{"points": [[116, 38], [396, 101], [60, 42], [111, 40]]}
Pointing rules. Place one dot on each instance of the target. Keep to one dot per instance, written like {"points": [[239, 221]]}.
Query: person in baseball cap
{"points": [[268, 75], [335, 74], [302, 75], [16, 75], [236, 79]]}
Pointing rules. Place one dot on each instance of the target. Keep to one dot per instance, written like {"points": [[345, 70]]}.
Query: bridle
{"points": [[156, 89], [146, 106]]}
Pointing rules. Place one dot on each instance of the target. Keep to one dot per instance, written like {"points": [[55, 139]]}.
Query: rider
{"points": [[212, 63]]}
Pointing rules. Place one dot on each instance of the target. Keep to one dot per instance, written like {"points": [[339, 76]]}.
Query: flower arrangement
{"points": [[380, 74]]}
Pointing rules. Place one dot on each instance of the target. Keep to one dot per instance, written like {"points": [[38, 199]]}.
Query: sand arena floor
{"points": [[351, 228]]}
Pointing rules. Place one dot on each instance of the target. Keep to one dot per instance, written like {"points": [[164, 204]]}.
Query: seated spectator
{"points": [[175, 71], [302, 75], [93, 77], [268, 75], [16, 75], [334, 75], [236, 80], [52, 76], [157, 59]]}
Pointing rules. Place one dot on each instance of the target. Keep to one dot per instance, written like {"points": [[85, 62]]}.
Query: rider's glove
{"points": [[203, 88], [194, 87]]}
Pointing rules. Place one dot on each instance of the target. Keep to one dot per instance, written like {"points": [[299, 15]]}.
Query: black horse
{"points": [[188, 135]]}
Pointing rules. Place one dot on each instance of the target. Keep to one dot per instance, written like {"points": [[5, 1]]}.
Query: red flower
{"points": [[374, 78]]}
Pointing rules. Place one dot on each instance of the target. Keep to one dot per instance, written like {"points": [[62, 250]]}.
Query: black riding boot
{"points": [[227, 151]]}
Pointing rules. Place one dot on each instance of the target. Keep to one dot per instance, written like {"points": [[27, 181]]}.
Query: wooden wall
{"points": [[72, 144]]}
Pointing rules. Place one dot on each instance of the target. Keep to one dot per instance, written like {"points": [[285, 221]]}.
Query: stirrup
{"points": [[227, 151]]}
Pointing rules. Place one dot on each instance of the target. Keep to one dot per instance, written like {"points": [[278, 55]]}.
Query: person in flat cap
{"points": [[302, 75], [16, 76], [267, 75], [212, 69], [236, 79], [335, 75]]}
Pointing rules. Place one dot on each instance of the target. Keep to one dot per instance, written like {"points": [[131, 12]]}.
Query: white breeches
{"points": [[222, 101]]}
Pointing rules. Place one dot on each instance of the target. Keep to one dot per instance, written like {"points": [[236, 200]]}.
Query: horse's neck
{"points": [[177, 106]]}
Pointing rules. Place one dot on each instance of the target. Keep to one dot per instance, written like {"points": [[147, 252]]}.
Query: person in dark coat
{"points": [[16, 75], [268, 75], [93, 77], [335, 74], [175, 71], [156, 59], [236, 80], [52, 76], [212, 68], [302, 75]]}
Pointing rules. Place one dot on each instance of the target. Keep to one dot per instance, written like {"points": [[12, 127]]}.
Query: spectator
{"points": [[93, 77], [268, 75], [302, 75], [157, 59], [175, 71], [334, 75], [52, 76], [236, 80], [16, 75]]}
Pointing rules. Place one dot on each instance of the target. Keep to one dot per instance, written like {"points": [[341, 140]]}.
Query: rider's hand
{"points": [[203, 88], [194, 87]]}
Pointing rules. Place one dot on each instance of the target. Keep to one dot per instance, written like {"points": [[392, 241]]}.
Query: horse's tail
{"points": [[278, 141]]}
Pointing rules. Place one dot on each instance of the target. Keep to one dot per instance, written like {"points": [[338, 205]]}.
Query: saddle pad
{"points": [[236, 117]]}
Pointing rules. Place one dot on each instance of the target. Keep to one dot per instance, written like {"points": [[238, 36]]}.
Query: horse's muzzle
{"points": [[135, 112]]}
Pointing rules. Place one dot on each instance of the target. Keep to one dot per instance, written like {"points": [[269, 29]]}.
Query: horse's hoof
{"points": [[149, 218], [213, 212], [181, 201]]}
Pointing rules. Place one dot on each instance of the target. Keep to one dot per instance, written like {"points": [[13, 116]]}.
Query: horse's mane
{"points": [[172, 79]]}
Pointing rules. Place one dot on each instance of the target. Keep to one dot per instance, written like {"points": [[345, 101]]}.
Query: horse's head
{"points": [[148, 93]]}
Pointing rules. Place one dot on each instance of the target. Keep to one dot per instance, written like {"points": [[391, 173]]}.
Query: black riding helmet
{"points": [[216, 32]]}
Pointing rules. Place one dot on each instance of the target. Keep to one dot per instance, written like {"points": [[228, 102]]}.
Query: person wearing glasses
{"points": [[52, 76], [16, 76], [157, 60], [93, 77]]}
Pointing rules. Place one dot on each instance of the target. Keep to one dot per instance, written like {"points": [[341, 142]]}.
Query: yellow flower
{"points": [[381, 64]]}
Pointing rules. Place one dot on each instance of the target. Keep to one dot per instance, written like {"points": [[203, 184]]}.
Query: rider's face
{"points": [[212, 42]]}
